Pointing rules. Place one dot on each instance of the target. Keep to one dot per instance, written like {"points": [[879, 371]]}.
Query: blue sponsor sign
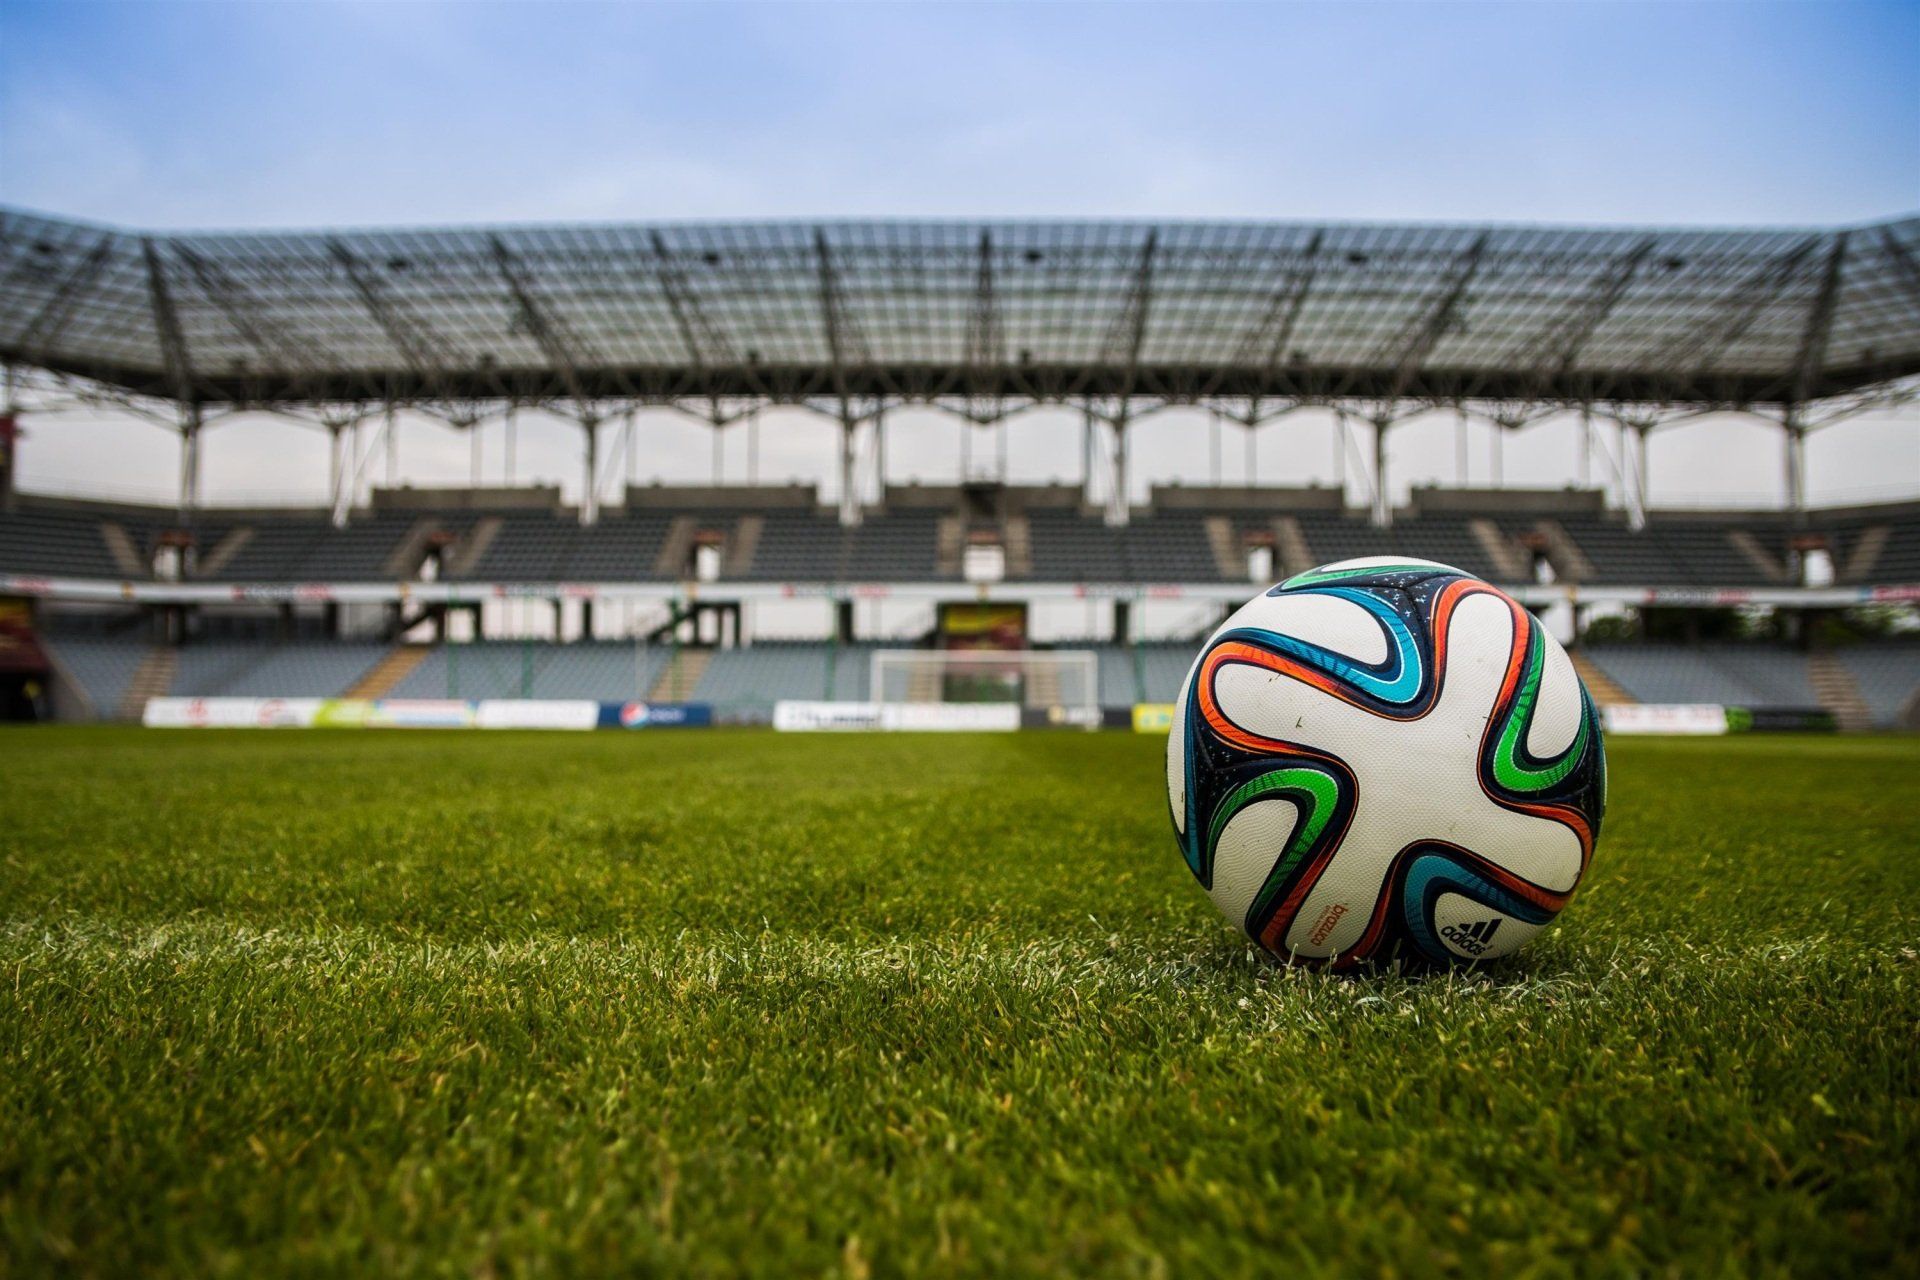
{"points": [[654, 715]]}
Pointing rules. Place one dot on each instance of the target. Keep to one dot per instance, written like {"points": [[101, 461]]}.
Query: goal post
{"points": [[1063, 685]]}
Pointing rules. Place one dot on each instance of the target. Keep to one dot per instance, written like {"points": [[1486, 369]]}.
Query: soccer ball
{"points": [[1386, 759]]}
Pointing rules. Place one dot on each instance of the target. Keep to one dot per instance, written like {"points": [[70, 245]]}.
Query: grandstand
{"points": [[653, 592]]}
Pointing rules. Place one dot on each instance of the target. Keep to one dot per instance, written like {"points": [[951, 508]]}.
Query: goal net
{"points": [[1061, 684]]}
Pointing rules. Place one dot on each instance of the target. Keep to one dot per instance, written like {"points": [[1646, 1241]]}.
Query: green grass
{"points": [[733, 1002]]}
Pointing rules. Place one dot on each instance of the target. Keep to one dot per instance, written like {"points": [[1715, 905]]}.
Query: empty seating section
{"points": [[274, 552], [1143, 673], [1899, 558], [611, 671], [808, 544], [1888, 676], [1332, 536], [256, 669], [1668, 553], [799, 546], [898, 546], [54, 543], [1168, 546], [1737, 675], [1070, 547], [762, 674], [530, 546], [1448, 539], [621, 548], [102, 666]]}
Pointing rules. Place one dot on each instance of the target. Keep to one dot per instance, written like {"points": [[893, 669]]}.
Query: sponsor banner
{"points": [[419, 713], [1780, 720], [343, 713], [816, 717], [536, 713], [230, 713], [950, 717], [1661, 717], [654, 715], [1153, 717], [904, 717], [1058, 717]]}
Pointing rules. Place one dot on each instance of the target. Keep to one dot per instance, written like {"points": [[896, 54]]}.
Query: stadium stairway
{"points": [[1838, 692], [1605, 690], [126, 557], [681, 674], [396, 666], [1866, 553], [153, 678]]}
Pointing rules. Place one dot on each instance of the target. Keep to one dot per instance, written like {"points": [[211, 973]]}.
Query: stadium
{"points": [[1069, 640], [652, 594]]}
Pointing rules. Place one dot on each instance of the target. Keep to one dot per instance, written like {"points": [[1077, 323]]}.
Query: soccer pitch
{"points": [[717, 1002]]}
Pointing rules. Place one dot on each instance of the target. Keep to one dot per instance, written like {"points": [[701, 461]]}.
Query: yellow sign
{"points": [[1153, 717]]}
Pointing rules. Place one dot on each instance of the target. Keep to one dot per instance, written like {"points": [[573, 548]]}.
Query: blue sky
{"points": [[264, 113], [171, 115]]}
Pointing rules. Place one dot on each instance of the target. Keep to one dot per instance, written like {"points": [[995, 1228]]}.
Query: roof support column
{"points": [[880, 454], [1086, 457], [511, 425], [590, 492], [753, 445], [1796, 460], [393, 446], [630, 437], [1117, 496], [1636, 477], [337, 497], [1382, 498], [1342, 445], [849, 472], [189, 461], [1586, 446], [1253, 450], [1213, 447]]}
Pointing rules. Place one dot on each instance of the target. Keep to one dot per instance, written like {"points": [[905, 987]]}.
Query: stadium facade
{"points": [[1375, 324]]}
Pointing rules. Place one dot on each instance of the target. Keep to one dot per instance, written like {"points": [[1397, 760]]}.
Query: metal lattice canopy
{"points": [[1039, 311]]}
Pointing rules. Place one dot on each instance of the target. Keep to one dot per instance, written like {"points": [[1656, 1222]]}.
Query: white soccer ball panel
{"points": [[1556, 716], [1177, 755], [1253, 840]]}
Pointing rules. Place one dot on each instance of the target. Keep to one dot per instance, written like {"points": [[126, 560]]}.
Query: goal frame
{"points": [[1073, 674]]}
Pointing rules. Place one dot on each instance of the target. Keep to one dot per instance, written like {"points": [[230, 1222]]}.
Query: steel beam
{"points": [[705, 344], [1709, 343], [1811, 360], [1423, 333], [283, 353], [174, 353], [37, 339], [418, 346], [556, 340]]}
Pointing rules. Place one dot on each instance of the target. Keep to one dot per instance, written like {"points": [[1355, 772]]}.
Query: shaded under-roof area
{"points": [[1018, 310]]}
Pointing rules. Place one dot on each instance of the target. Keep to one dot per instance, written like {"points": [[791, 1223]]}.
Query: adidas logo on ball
{"points": [[1471, 938]]}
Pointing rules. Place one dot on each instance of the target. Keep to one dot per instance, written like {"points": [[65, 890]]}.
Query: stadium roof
{"points": [[1002, 310]]}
